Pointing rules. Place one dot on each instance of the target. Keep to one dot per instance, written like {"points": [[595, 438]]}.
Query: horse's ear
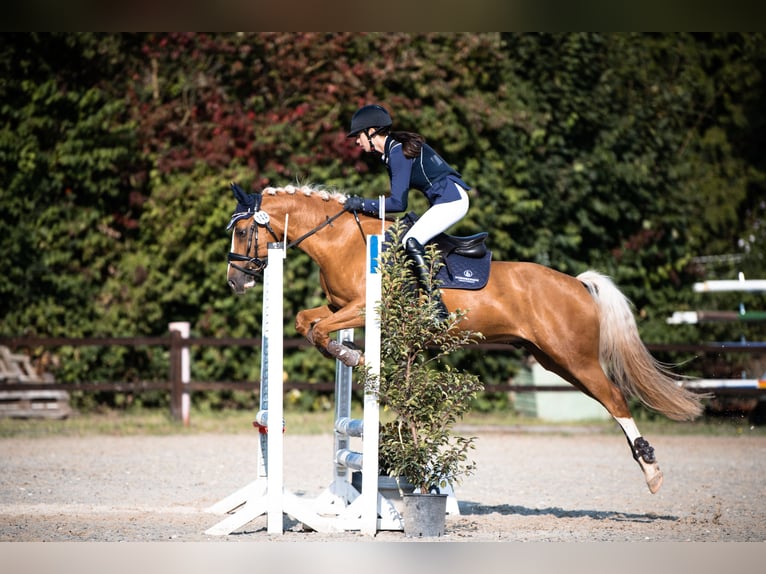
{"points": [[241, 196]]}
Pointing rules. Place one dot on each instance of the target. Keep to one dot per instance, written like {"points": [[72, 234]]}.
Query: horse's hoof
{"points": [[350, 357], [347, 356], [655, 482]]}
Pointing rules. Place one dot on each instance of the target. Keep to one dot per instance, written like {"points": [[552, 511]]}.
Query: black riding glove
{"points": [[354, 203]]}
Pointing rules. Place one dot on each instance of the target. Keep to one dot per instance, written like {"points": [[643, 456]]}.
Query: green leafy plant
{"points": [[426, 395]]}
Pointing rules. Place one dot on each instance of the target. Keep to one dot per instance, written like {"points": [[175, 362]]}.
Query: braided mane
{"points": [[308, 190]]}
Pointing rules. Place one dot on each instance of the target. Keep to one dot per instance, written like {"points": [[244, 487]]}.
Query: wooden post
{"points": [[175, 375], [180, 371]]}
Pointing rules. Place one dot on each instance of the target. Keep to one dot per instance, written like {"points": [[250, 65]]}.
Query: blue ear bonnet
{"points": [[247, 204]]}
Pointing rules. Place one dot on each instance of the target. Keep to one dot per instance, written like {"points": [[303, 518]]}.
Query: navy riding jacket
{"points": [[428, 173]]}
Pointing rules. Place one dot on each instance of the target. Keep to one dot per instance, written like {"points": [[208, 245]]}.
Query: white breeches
{"points": [[438, 218]]}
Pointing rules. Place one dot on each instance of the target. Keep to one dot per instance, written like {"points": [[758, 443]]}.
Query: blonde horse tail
{"points": [[626, 360]]}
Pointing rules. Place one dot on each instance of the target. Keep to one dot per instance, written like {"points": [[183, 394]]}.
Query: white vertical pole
{"points": [[382, 213], [184, 329], [274, 282], [369, 523]]}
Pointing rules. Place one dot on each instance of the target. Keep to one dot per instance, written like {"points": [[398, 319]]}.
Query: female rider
{"points": [[411, 164]]}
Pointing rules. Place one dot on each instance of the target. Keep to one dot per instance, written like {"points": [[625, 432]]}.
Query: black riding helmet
{"points": [[371, 116]]}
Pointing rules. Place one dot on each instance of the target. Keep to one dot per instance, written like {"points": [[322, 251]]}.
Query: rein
{"points": [[319, 227]]}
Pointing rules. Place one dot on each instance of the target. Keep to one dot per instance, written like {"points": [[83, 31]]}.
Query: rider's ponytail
{"points": [[411, 143]]}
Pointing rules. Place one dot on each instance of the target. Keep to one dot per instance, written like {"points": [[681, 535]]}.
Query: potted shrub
{"points": [[425, 395]]}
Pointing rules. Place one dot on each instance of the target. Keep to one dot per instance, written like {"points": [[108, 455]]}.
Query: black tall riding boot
{"points": [[416, 253]]}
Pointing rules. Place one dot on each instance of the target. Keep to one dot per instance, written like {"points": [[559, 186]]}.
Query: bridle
{"points": [[255, 265]]}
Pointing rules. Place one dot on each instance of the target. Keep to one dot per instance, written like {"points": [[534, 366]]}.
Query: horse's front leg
{"points": [[304, 320], [304, 324], [316, 325]]}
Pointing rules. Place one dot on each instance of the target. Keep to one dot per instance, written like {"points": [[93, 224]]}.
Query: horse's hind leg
{"points": [[643, 453], [590, 379]]}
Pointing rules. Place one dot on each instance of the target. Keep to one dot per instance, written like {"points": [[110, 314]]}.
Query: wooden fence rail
{"points": [[177, 387]]}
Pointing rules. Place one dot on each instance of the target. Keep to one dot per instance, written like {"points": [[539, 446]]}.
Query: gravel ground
{"points": [[539, 486]]}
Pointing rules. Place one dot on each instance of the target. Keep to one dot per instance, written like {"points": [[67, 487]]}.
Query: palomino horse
{"points": [[582, 329]]}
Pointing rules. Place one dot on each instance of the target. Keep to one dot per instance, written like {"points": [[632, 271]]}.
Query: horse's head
{"points": [[310, 210], [247, 258]]}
